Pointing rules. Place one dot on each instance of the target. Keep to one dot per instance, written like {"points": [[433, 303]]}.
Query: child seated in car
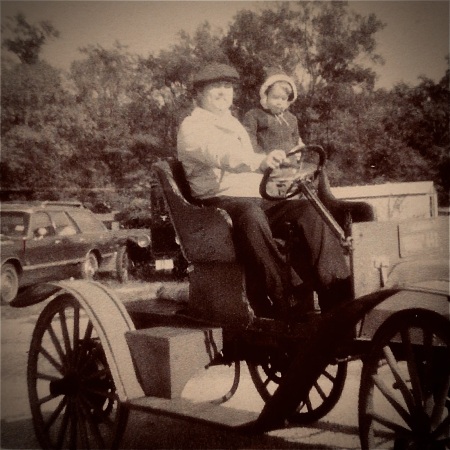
{"points": [[272, 126]]}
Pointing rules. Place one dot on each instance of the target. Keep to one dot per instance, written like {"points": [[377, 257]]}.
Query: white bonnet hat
{"points": [[274, 75]]}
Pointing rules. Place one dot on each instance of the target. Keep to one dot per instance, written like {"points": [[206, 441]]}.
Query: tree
{"points": [[26, 40], [117, 113], [39, 126], [161, 94], [100, 82], [28, 93], [420, 116], [321, 44]]}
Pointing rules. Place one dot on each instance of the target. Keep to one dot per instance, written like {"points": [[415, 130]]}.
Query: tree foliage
{"points": [[26, 40], [103, 124]]}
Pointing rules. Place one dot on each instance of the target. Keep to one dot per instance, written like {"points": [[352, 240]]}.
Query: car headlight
{"points": [[143, 241]]}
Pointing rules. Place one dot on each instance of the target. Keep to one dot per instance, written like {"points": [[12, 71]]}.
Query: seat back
{"points": [[216, 282], [204, 233]]}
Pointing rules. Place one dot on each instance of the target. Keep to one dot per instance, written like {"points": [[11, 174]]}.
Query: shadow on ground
{"points": [[146, 431]]}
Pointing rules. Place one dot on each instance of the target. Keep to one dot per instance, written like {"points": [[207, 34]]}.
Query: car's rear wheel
{"points": [[123, 264], [323, 396], [89, 267], [10, 283]]}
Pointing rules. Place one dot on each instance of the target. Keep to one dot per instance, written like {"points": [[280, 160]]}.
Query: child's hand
{"points": [[273, 160]]}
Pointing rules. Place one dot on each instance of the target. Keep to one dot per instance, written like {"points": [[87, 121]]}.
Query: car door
{"points": [[70, 242], [95, 233], [42, 256]]}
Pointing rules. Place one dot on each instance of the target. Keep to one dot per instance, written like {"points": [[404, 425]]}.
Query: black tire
{"points": [[322, 397], [405, 384], [123, 264], [89, 267], [72, 395], [10, 283]]}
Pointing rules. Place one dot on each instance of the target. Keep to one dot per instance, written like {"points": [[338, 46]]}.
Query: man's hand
{"points": [[273, 160]]}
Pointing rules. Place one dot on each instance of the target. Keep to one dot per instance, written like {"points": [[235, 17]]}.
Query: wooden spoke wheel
{"points": [[322, 397], [72, 394], [404, 393]]}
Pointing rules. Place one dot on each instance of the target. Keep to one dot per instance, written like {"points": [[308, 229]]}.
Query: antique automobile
{"points": [[93, 358], [44, 241]]}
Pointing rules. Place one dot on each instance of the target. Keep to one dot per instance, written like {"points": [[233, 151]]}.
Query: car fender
{"points": [[97, 253], [313, 355], [15, 262], [109, 317], [138, 236], [432, 295]]}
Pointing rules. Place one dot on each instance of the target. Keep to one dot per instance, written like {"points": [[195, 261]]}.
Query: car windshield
{"points": [[14, 223], [86, 221]]}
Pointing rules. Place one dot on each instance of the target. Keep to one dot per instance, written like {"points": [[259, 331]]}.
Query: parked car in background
{"points": [[42, 241], [164, 255]]}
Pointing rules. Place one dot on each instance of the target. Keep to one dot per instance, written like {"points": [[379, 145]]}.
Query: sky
{"points": [[414, 42]]}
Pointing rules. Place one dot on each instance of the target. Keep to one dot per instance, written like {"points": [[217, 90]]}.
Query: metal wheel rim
{"points": [[10, 284], [91, 266]]}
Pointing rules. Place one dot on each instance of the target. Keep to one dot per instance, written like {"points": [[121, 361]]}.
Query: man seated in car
{"points": [[224, 171]]}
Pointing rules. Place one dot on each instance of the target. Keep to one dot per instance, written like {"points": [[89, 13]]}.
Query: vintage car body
{"points": [[144, 352]]}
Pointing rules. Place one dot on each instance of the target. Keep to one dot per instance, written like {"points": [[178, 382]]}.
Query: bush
{"points": [[138, 214]]}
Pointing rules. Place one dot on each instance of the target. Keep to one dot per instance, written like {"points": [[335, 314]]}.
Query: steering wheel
{"points": [[285, 182]]}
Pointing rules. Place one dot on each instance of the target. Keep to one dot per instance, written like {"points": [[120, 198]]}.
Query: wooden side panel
{"points": [[394, 253]]}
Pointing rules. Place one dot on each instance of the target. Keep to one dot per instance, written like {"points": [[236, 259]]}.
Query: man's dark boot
{"points": [[337, 293]]}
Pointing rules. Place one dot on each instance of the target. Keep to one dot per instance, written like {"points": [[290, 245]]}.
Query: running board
{"points": [[204, 412]]}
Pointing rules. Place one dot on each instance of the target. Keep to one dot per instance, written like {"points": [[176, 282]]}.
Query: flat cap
{"points": [[215, 72]]}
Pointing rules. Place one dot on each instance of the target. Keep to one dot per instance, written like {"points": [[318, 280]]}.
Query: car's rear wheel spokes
{"points": [[322, 397], [404, 393], [72, 393]]}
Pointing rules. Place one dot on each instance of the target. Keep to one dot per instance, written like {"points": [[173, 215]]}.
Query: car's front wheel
{"points": [[10, 283], [89, 267]]}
